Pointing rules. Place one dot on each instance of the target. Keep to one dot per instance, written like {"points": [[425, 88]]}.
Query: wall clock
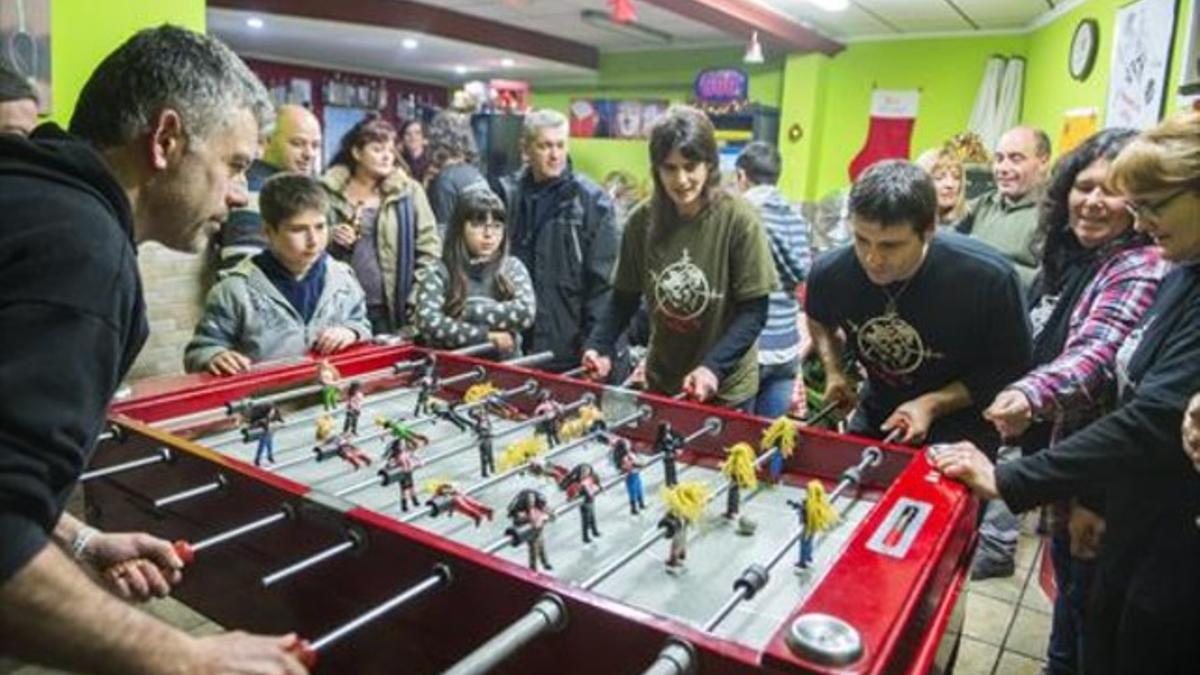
{"points": [[1084, 44]]}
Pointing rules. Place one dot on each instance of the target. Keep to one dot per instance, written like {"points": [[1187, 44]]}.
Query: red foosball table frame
{"points": [[908, 610]]}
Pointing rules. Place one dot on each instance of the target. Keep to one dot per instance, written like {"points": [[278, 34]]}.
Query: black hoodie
{"points": [[72, 319]]}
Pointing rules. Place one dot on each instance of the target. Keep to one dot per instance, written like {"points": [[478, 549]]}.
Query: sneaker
{"points": [[986, 567]]}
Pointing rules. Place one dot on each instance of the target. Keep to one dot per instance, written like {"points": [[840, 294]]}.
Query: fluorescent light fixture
{"points": [[754, 52], [602, 20], [460, 69], [507, 62], [409, 43], [831, 5], [255, 23]]}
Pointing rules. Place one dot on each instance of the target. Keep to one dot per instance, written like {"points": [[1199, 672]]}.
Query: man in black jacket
{"points": [[160, 141], [561, 225]]}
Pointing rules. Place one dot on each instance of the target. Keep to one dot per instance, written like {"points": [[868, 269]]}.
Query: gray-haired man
{"points": [[159, 145], [561, 225]]}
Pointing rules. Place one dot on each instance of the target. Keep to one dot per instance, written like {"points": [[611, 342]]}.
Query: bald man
{"points": [[294, 146], [1006, 218], [18, 102]]}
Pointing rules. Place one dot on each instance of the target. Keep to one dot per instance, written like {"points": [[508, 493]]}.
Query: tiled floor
{"points": [[1007, 624], [1008, 620]]}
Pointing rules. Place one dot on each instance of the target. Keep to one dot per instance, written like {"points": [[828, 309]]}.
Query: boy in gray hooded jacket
{"points": [[286, 301]]}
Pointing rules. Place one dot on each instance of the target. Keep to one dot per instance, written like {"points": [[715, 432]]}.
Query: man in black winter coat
{"points": [[159, 144], [562, 226]]}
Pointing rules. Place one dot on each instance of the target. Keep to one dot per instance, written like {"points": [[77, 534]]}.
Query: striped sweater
{"points": [[788, 235]]}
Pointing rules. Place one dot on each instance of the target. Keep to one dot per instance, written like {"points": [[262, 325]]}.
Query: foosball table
{"points": [[412, 511]]}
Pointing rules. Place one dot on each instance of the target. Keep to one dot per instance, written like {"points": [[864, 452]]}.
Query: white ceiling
{"points": [[377, 50], [868, 19]]}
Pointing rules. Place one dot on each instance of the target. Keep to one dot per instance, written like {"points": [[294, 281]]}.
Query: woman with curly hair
{"points": [[451, 169], [1098, 277]]}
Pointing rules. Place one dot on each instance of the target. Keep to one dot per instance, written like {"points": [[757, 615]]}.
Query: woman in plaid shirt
{"points": [[1098, 278]]}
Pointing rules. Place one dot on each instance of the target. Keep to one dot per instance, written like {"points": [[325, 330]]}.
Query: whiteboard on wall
{"points": [[1141, 59]]}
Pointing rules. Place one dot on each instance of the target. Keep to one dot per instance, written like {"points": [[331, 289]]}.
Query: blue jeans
{"points": [[1073, 577], [775, 383]]}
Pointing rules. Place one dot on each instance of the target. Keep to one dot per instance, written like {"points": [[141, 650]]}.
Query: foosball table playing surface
{"points": [[413, 511]]}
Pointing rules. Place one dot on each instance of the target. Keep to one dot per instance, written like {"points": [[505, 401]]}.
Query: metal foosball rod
{"points": [[308, 651], [386, 475], [191, 493], [677, 657], [633, 418], [529, 387], [163, 455], [711, 426], [187, 550], [547, 615], [475, 373], [354, 541]]}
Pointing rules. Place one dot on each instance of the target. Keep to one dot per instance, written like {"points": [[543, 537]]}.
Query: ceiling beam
{"points": [[430, 20], [741, 17]]}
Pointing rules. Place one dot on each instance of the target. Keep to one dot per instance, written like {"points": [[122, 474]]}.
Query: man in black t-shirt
{"points": [[937, 323]]}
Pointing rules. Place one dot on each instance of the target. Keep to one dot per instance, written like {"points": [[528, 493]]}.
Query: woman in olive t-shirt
{"points": [[701, 260]]}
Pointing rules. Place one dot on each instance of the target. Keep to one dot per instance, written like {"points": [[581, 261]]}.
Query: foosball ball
{"points": [[406, 510]]}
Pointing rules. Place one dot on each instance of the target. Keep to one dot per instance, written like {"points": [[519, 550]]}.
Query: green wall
{"points": [[660, 74], [946, 70], [1049, 89], [83, 32]]}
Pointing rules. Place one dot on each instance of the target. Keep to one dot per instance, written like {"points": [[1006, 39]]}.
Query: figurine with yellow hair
{"points": [[447, 498], [486, 391], [325, 426], [739, 467], [521, 452], [816, 515], [685, 503], [779, 438], [587, 420]]}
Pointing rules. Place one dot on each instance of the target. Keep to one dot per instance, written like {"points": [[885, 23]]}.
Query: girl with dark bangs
{"points": [[477, 293], [700, 258]]}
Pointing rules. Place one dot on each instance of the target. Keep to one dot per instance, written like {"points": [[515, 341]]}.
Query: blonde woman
{"points": [[949, 180]]}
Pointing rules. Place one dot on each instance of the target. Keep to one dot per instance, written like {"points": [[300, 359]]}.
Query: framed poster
{"points": [[1141, 61], [614, 118], [25, 44]]}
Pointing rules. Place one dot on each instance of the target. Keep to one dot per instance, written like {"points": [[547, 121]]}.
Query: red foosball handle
{"points": [[184, 550], [304, 653]]}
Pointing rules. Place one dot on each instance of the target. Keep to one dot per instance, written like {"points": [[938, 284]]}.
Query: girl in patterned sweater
{"points": [[477, 293]]}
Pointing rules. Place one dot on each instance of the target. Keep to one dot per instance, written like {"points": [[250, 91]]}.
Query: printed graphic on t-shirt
{"points": [[891, 346], [682, 293], [1040, 314]]}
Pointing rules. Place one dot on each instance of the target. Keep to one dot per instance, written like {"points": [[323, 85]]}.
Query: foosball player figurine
{"points": [[426, 385], [587, 420], [816, 515], [685, 502], [622, 457], [449, 412], [529, 515], [258, 423], [521, 452], [354, 403], [483, 428], [739, 468], [555, 472], [581, 482], [780, 437], [486, 391], [404, 458], [668, 442], [447, 499], [327, 377], [550, 410], [351, 453], [402, 433]]}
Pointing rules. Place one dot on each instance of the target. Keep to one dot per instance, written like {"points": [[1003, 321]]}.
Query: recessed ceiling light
{"points": [[408, 43], [461, 70], [507, 63], [831, 5], [254, 22]]}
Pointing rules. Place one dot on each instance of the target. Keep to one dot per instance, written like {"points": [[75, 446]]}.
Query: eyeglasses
{"points": [[486, 221], [1152, 210]]}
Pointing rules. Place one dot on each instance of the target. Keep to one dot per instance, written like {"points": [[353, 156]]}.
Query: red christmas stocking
{"points": [[893, 114]]}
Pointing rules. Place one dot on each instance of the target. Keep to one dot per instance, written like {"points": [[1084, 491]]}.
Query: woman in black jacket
{"points": [[1144, 613]]}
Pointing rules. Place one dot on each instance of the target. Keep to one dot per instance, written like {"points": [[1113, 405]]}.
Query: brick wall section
{"points": [[174, 285]]}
